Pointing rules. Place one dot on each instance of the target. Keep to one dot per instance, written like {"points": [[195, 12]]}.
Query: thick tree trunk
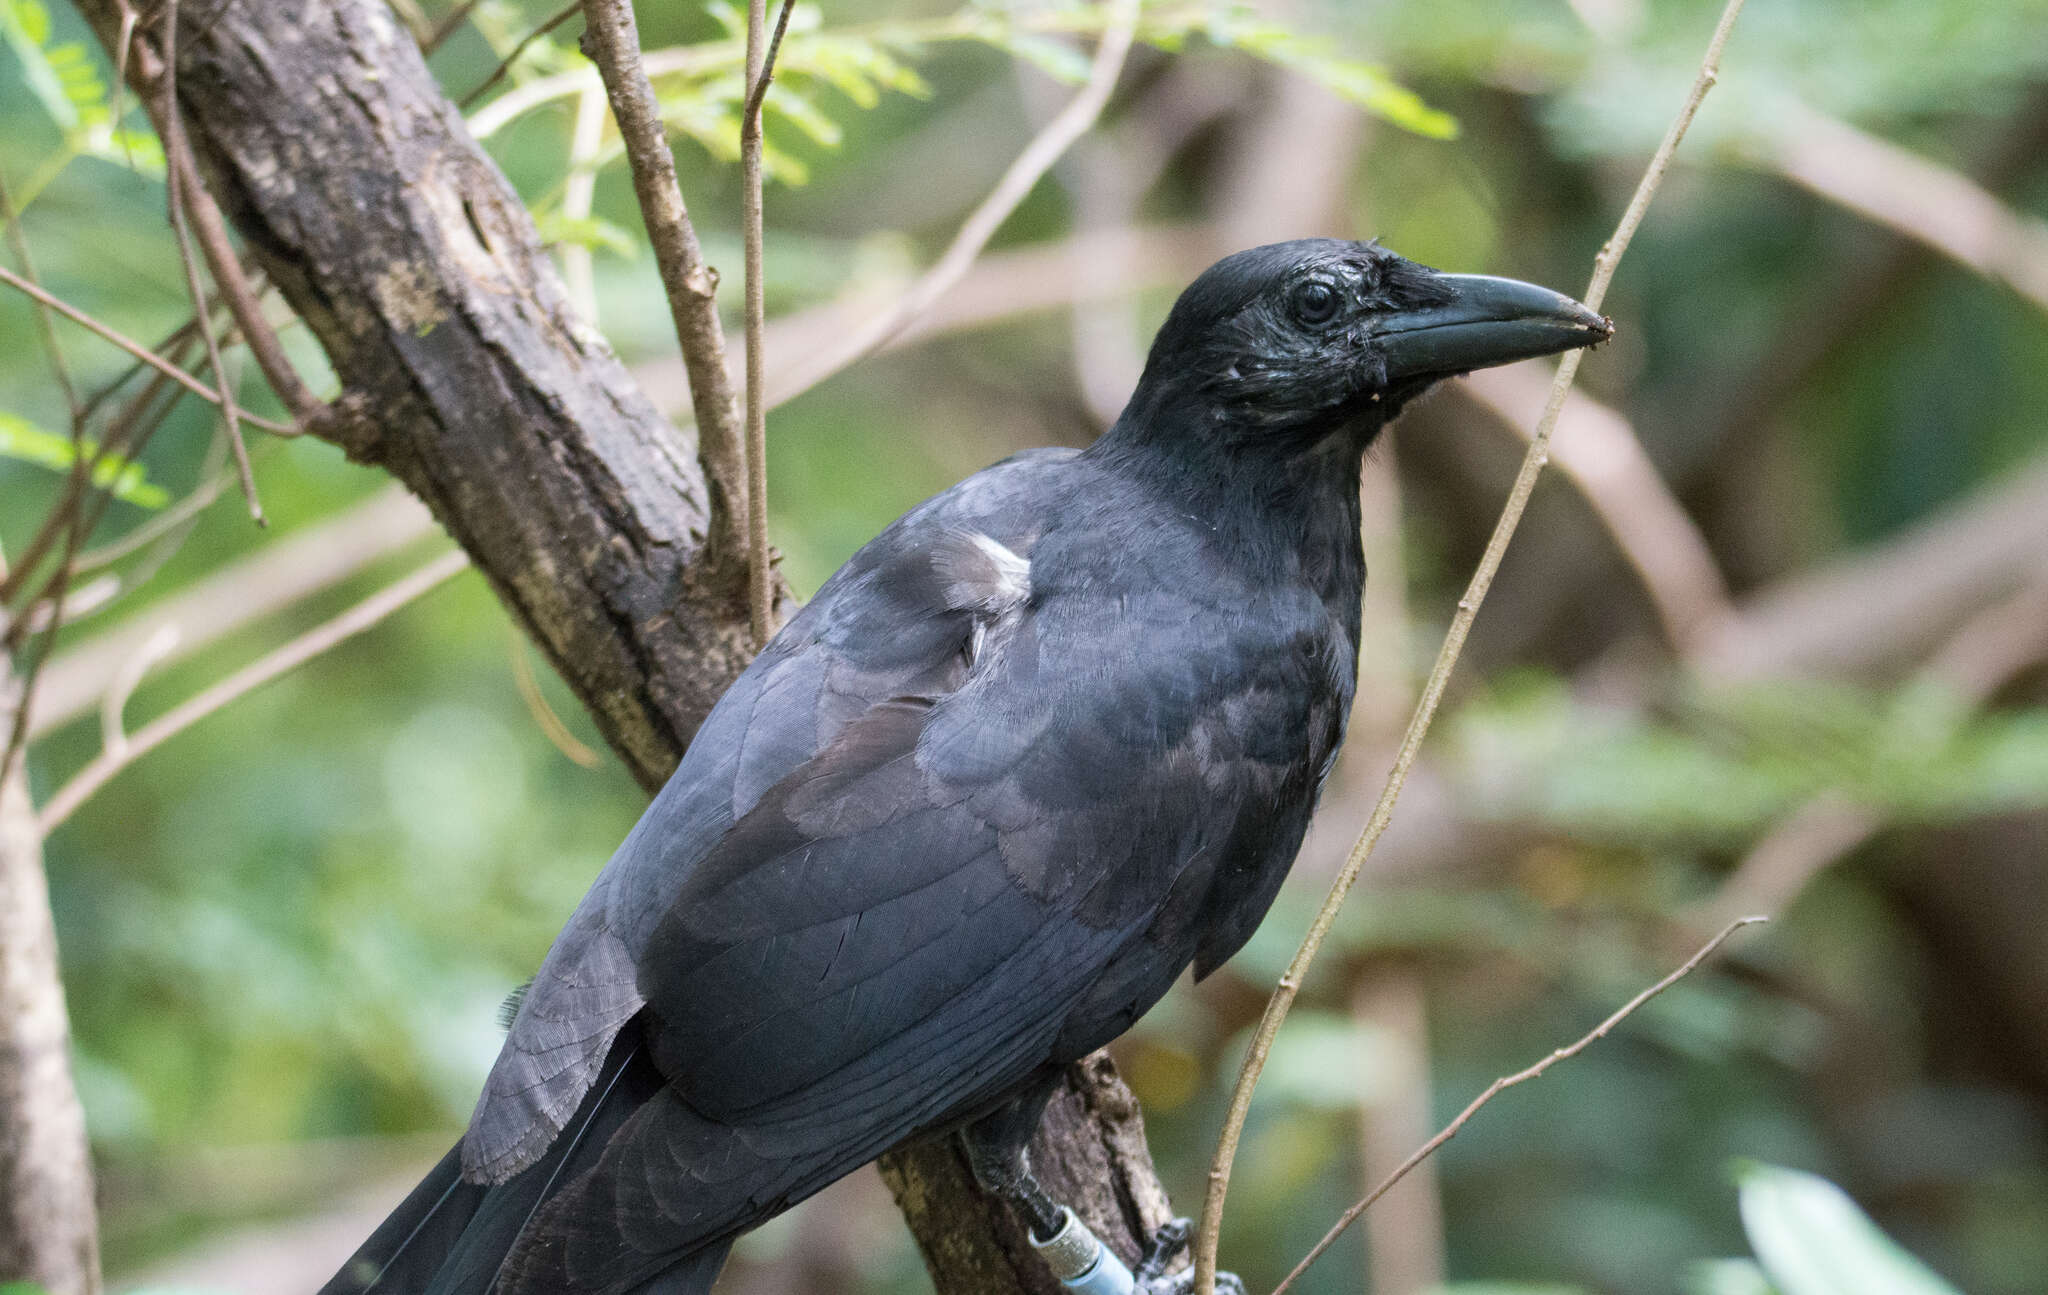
{"points": [[330, 146], [48, 1229]]}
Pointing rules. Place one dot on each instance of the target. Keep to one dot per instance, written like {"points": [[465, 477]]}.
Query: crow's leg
{"points": [[996, 1155]]}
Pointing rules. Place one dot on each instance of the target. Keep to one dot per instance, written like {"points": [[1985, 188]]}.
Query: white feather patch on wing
{"points": [[981, 574]]}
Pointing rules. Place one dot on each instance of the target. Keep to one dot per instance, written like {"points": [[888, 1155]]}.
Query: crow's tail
{"points": [[450, 1237]]}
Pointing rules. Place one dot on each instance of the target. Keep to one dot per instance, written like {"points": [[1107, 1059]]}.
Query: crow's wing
{"points": [[897, 618], [954, 875], [955, 892]]}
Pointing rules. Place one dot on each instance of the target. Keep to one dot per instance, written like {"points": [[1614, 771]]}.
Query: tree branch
{"points": [[276, 575], [47, 1214], [1907, 193], [612, 40], [118, 755], [760, 70], [1598, 450], [134, 348]]}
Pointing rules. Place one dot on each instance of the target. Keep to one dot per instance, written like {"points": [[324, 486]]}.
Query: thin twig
{"points": [[1015, 185], [221, 259], [579, 193], [181, 199], [504, 67], [448, 26], [760, 70], [1505, 1082], [612, 40], [77, 486], [1439, 676], [414, 18], [17, 238], [164, 534], [113, 732], [300, 650], [551, 725], [1987, 651], [1600, 454], [136, 349], [197, 501], [280, 573], [705, 58]]}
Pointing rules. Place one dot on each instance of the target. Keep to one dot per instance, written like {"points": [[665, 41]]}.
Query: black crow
{"points": [[1045, 742]]}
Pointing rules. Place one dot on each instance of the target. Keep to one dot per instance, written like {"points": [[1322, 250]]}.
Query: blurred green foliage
{"points": [[286, 933]]}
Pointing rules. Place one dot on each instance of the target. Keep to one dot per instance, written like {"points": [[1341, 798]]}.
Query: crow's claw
{"points": [[1165, 1246]]}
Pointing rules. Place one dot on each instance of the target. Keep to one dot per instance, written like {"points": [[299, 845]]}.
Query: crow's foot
{"points": [[1165, 1246]]}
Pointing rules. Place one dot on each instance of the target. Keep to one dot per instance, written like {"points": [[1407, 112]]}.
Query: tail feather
{"points": [[423, 1228], [450, 1237]]}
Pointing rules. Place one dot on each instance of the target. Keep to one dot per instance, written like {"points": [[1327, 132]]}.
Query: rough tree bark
{"points": [[47, 1220], [465, 374]]}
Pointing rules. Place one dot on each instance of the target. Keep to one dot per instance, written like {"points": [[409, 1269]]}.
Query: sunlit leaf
{"points": [[1812, 1240], [593, 232], [26, 26], [23, 441], [1058, 61]]}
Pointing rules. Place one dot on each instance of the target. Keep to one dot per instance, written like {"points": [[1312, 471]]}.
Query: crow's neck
{"points": [[1280, 505]]}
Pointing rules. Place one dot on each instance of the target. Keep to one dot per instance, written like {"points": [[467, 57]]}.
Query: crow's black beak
{"points": [[1489, 321]]}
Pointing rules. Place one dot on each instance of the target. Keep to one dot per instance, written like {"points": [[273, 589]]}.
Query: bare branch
{"points": [[1599, 452], [1404, 1237], [1903, 191], [504, 67], [579, 193], [760, 70], [1506, 1082], [134, 348], [17, 238], [1439, 677], [1015, 185], [1893, 602], [159, 645], [170, 124], [612, 40], [180, 514], [257, 334], [448, 26], [300, 650], [550, 724], [1987, 652], [1000, 286], [277, 574], [47, 1211]]}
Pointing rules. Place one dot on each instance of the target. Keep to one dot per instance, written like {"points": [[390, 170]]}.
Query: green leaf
{"points": [[592, 232], [1365, 84], [1812, 1240], [1058, 61], [122, 478], [1727, 1277], [26, 26]]}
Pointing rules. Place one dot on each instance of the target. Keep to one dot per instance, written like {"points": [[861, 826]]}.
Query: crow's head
{"points": [[1320, 333]]}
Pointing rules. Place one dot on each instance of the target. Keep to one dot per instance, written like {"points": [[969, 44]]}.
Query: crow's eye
{"points": [[1315, 302]]}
